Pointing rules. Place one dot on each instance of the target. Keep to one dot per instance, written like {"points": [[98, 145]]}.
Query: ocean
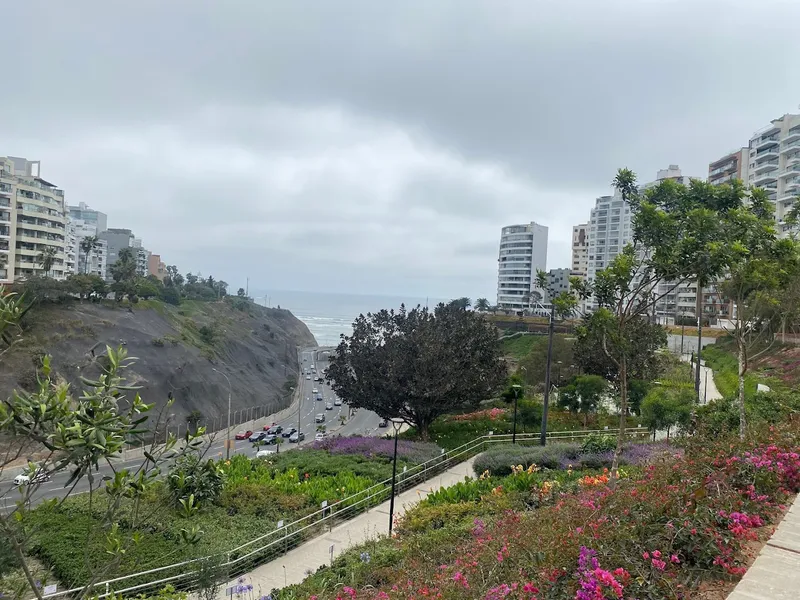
{"points": [[327, 315]]}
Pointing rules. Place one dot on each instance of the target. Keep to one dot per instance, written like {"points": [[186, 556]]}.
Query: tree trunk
{"points": [[623, 419], [698, 309], [742, 369], [423, 430]]}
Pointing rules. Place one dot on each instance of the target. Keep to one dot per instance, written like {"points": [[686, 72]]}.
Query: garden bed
{"points": [[682, 524], [257, 493]]}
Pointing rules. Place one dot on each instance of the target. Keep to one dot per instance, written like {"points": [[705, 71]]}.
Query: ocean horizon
{"points": [[329, 315]]}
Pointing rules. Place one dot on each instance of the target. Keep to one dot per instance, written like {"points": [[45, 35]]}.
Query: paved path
{"points": [[708, 389], [294, 566], [775, 574]]}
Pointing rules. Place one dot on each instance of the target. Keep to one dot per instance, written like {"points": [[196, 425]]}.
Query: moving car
{"points": [[26, 478], [288, 432], [337, 402], [308, 377], [275, 429], [269, 438], [383, 424], [320, 418], [297, 436], [320, 436], [243, 435], [264, 453], [315, 391], [329, 406], [319, 398], [257, 437]]}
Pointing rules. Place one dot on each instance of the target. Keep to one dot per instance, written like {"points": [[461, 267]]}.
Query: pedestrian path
{"points": [[775, 574], [294, 566], [708, 389]]}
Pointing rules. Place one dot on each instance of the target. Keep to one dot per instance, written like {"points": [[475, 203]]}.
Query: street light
{"points": [[517, 389], [230, 390], [396, 424]]}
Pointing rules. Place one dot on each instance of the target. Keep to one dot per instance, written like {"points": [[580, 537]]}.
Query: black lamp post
{"points": [[517, 390], [396, 424]]}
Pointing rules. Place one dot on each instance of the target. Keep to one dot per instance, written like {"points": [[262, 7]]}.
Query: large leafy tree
{"points": [[761, 268], [482, 305], [417, 364], [583, 393]]}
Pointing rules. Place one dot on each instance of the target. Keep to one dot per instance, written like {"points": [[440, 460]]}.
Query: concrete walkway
{"points": [[708, 389], [775, 574], [295, 565]]}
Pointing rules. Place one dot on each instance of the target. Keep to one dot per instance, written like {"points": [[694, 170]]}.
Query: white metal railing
{"points": [[265, 548]]}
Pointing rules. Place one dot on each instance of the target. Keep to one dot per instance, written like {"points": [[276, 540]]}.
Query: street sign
{"points": [[50, 589], [280, 524], [324, 504]]}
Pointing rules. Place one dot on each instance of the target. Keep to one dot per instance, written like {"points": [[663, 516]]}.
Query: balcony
{"points": [[787, 147], [765, 142], [792, 135], [767, 165], [791, 170], [765, 179]]}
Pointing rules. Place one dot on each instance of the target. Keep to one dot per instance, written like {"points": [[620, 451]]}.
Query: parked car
{"points": [[257, 437], [288, 432], [337, 402], [383, 424], [269, 438], [270, 426], [243, 435], [264, 453], [320, 418], [320, 436], [329, 406], [297, 436], [275, 429]]}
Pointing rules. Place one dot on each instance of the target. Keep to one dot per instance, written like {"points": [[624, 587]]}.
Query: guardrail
{"points": [[265, 548]]}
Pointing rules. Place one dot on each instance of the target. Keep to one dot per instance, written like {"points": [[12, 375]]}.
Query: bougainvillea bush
{"points": [[670, 525]]}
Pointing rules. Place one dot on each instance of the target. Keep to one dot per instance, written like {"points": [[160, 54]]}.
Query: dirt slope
{"points": [[255, 347]]}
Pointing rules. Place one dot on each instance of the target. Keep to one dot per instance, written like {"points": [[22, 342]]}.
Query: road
{"points": [[361, 423]]}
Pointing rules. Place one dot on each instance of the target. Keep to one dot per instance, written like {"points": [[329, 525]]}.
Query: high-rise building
{"points": [[93, 261], [156, 267], [580, 250], [523, 251], [142, 261], [734, 165], [93, 219], [609, 230], [775, 164], [32, 220], [116, 240]]}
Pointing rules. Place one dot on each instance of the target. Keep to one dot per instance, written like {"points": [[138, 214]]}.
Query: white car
{"points": [[25, 478], [308, 377], [337, 402], [264, 453], [315, 391], [319, 437]]}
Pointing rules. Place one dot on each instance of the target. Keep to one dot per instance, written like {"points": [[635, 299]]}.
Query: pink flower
{"points": [[674, 559], [657, 553], [659, 564], [646, 555], [349, 591]]}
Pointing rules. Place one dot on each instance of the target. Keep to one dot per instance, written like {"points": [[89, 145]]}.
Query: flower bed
{"points": [[672, 525]]}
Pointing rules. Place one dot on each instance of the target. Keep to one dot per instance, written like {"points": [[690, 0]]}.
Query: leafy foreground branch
{"points": [[83, 437]]}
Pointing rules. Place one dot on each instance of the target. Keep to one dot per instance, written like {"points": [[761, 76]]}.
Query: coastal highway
{"points": [[361, 423]]}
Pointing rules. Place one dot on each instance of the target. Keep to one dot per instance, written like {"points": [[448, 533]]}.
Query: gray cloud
{"points": [[379, 145]]}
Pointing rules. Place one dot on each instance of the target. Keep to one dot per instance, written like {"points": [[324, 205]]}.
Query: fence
{"points": [[242, 559]]}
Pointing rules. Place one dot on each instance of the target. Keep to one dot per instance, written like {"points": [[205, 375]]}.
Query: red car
{"points": [[243, 435], [268, 427]]}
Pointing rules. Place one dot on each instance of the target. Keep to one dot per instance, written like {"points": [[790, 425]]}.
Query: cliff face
{"points": [[177, 349]]}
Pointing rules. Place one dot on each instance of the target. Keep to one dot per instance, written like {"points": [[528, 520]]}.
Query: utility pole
{"points": [[247, 288], [546, 406]]}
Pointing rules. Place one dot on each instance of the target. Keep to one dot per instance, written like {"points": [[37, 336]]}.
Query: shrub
{"points": [[190, 476], [207, 334], [597, 442], [157, 342], [500, 460]]}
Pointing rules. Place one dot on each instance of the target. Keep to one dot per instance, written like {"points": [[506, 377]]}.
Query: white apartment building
{"points": [[775, 164], [734, 165], [580, 250], [32, 219], [609, 232], [92, 262], [523, 251]]}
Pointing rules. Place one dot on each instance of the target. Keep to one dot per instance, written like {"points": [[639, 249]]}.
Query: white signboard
{"points": [[280, 524], [50, 589], [324, 504]]}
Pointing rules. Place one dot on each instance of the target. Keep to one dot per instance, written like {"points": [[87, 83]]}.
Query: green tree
{"points": [[534, 364], [193, 419], [87, 244], [663, 408], [760, 267], [240, 292], [145, 288], [583, 394], [482, 305], [417, 364], [191, 477], [463, 303], [123, 271], [46, 259]]}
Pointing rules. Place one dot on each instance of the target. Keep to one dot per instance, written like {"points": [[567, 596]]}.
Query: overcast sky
{"points": [[378, 146]]}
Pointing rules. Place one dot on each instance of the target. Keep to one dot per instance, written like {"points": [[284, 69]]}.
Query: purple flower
{"points": [[370, 447]]}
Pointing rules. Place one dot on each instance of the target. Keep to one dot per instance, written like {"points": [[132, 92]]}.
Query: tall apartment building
{"points": [[734, 165], [580, 250], [523, 251], [116, 240], [93, 219], [142, 262], [32, 219], [92, 262], [609, 230], [775, 164]]}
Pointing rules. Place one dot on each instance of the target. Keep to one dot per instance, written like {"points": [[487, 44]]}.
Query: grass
{"points": [[520, 346], [726, 372]]}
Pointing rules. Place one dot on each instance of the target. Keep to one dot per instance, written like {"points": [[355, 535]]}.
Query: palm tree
{"points": [[87, 244], [482, 305], [47, 258]]}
